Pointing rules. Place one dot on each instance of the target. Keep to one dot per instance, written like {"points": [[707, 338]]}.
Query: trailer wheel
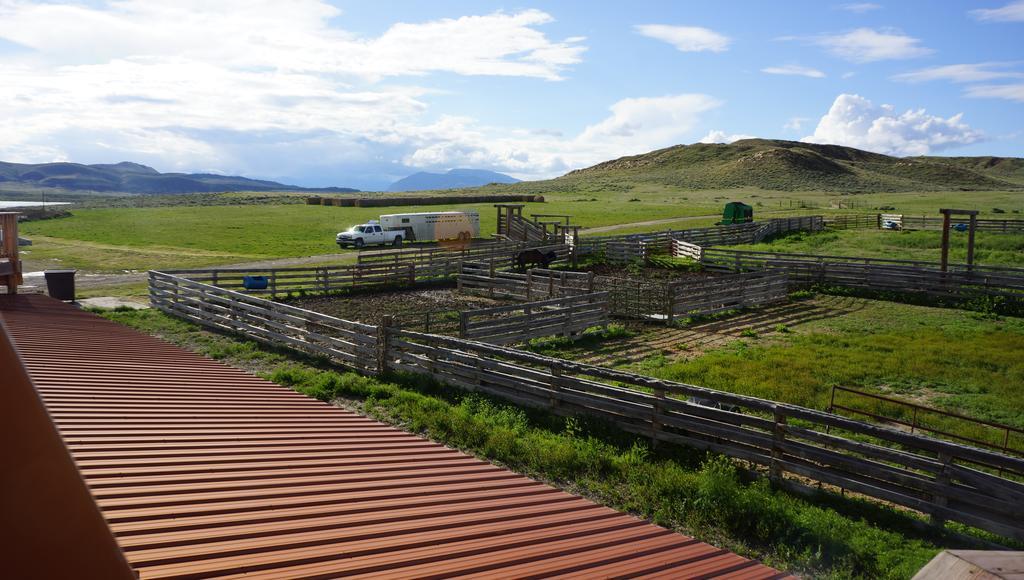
{"points": [[397, 242], [359, 242]]}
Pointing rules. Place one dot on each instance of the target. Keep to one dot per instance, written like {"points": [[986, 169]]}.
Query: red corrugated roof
{"points": [[203, 470]]}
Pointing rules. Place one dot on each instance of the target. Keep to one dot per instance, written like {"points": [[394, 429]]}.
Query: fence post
{"points": [[657, 407], [590, 282], [556, 387], [273, 284], [669, 313], [778, 439], [490, 289], [463, 324], [213, 281], [383, 343], [941, 478], [529, 284]]}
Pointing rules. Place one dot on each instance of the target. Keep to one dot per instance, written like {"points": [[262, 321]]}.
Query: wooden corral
{"points": [[944, 479], [713, 294], [568, 316]]}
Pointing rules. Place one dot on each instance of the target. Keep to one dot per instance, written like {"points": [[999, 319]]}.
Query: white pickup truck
{"points": [[369, 234]]}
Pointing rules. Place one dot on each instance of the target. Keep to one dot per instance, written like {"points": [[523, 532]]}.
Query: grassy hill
{"points": [[795, 166]]}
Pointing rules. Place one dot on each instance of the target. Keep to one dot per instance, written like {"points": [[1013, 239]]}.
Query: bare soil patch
{"points": [[408, 307]]}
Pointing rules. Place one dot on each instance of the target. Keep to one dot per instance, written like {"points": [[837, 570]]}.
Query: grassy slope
{"points": [[682, 489], [992, 249]]}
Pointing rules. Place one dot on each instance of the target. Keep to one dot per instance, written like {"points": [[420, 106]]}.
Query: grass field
{"points": [[690, 491], [992, 249], [199, 232], [955, 360]]}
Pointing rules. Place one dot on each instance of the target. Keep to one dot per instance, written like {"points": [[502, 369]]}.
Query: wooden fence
{"points": [[854, 222], [437, 262], [909, 222], [660, 242], [932, 476], [312, 279], [681, 249], [941, 478], [709, 295], [536, 283], [619, 249], [349, 343], [640, 299], [905, 276], [568, 316]]}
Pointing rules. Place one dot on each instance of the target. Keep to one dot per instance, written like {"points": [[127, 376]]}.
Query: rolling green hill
{"points": [[795, 166]]}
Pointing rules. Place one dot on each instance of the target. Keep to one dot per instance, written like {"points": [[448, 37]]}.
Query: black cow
{"points": [[534, 258]]}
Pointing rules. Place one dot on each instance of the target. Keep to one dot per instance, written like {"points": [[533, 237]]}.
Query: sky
{"points": [[360, 94]]}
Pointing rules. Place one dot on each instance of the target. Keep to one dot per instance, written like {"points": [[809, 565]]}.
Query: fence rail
{"points": [[683, 249], [440, 262], [960, 282], [568, 316], [710, 295], [932, 476], [305, 278], [910, 222], [638, 246], [916, 422], [534, 284], [854, 222]]}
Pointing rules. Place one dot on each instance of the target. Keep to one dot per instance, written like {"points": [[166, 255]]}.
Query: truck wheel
{"points": [[397, 242], [359, 242]]}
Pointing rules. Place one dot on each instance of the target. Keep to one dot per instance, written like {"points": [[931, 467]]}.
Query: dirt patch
{"points": [[435, 308]]}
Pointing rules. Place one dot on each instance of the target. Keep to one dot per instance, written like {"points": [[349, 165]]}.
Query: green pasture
{"points": [[992, 249]]}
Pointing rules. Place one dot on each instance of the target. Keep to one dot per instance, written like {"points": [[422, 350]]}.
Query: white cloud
{"points": [[1013, 92], [794, 69], [962, 73], [860, 7], [867, 45], [686, 38], [291, 37], [715, 136], [634, 125], [796, 123], [1012, 12], [856, 122], [266, 88]]}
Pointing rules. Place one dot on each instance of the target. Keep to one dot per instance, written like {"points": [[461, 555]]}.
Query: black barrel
{"points": [[60, 284]]}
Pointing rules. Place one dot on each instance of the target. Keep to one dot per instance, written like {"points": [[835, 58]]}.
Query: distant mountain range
{"points": [[127, 177], [453, 179], [793, 165]]}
